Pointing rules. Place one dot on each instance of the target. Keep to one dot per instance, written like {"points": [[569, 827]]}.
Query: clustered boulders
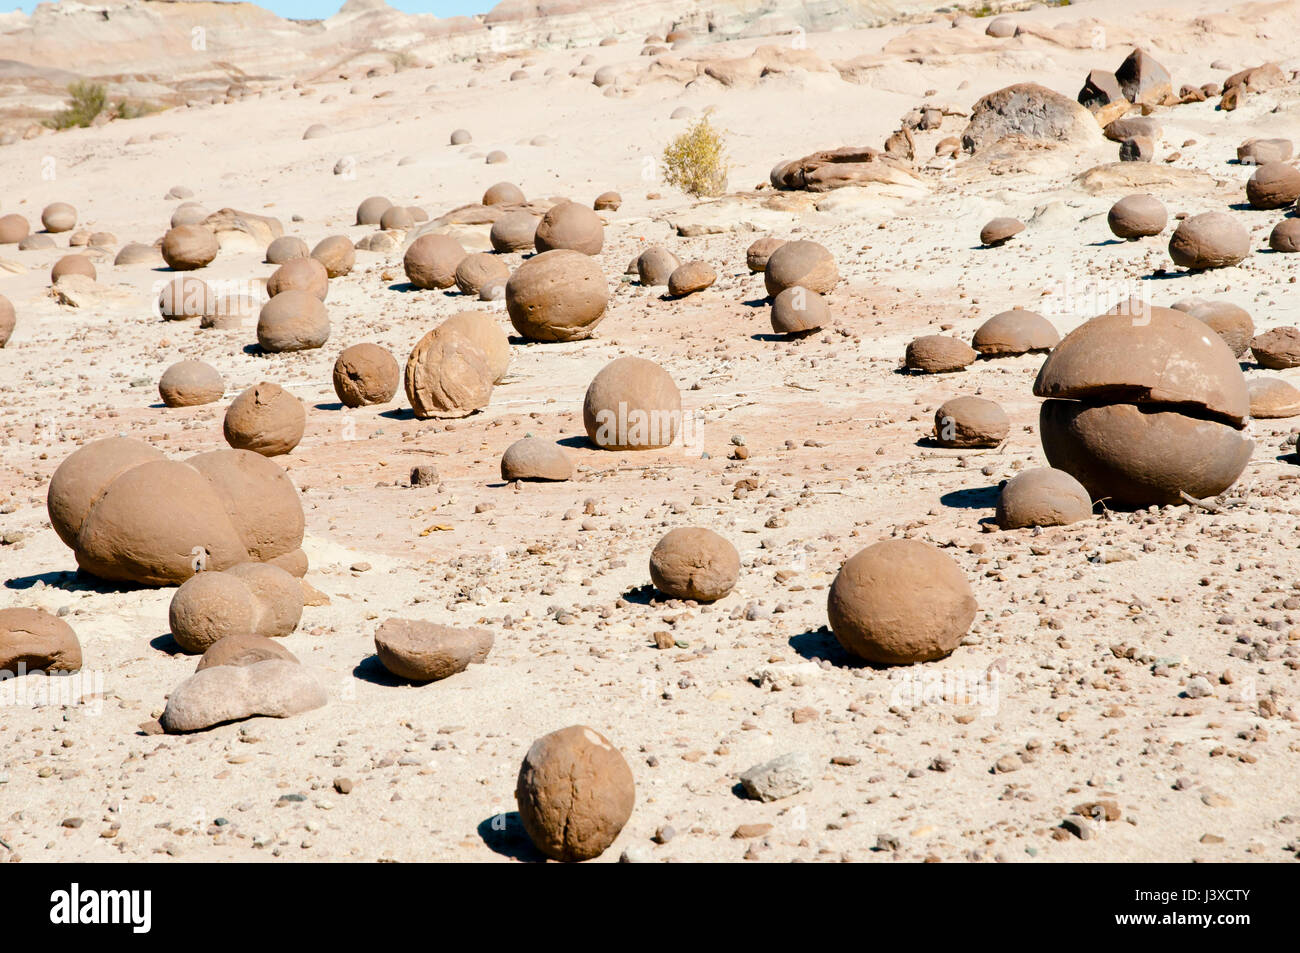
{"points": [[132, 515], [246, 599], [453, 368]]}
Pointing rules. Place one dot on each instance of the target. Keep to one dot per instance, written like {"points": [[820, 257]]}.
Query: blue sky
{"points": [[319, 9]]}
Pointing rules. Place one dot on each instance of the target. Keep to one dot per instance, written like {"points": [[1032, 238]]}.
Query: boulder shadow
{"points": [[167, 643], [397, 413], [972, 498], [405, 287], [371, 670], [1108, 241], [757, 302], [643, 595], [578, 442], [504, 834], [819, 645], [70, 581], [336, 405]]}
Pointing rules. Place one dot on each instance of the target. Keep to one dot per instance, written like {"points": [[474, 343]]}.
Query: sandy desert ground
{"points": [[1096, 628]]}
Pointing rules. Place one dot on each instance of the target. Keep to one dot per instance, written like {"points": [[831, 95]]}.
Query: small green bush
{"points": [[85, 102], [696, 161]]}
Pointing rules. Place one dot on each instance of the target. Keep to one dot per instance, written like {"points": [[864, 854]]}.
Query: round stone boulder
{"points": [[632, 404], [286, 248], [532, 458], [802, 263], [299, 274], [900, 601], [421, 651], [1272, 397], [572, 226], [1273, 185], [757, 254], [337, 254], [477, 269], [694, 563], [1209, 240], [7, 320], [1137, 216], [514, 232], [431, 261], [188, 247], [557, 296], [292, 321], [999, 231], [13, 229], [1285, 236], [970, 422], [59, 217], [370, 211], [33, 640], [190, 383], [690, 278], [72, 265], [938, 354], [265, 419], [1228, 321], [797, 311], [575, 792], [1042, 497], [655, 266], [1014, 332], [366, 374], [504, 193]]}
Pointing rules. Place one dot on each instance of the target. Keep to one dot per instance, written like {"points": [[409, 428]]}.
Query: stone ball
{"points": [[1225, 319], [397, 217], [496, 157], [483, 331], [243, 649], [265, 419], [372, 210], [448, 375], [514, 231], [84, 475], [1273, 185], [33, 640], [190, 383], [262, 503], [900, 601], [286, 248], [758, 253], [13, 229], [138, 253], [692, 277], [532, 458], [655, 266], [558, 295], [575, 792], [366, 374], [337, 254], [800, 263], [970, 422], [1272, 397], [72, 265], [608, 202], [1209, 240], [431, 261], [694, 563], [461, 137], [1137, 216], [504, 193], [476, 269], [1015, 332], [188, 213], [186, 297], [632, 404], [292, 321], [1042, 497], [59, 217], [999, 230], [187, 247], [570, 226], [798, 311], [299, 274], [208, 607], [1285, 236], [938, 354]]}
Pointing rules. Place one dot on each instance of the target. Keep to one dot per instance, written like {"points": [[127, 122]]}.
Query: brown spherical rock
{"points": [[262, 504], [514, 232], [1272, 397], [970, 422], [1228, 321], [694, 563], [557, 296], [59, 217], [72, 265], [757, 254], [999, 230], [632, 404], [286, 248], [265, 419], [336, 253], [798, 311], [1209, 240], [655, 266], [608, 202], [1273, 185], [448, 375], [13, 229], [1042, 497], [397, 218], [243, 648], [422, 651], [572, 226], [504, 193], [461, 137], [532, 458], [190, 383], [431, 261], [1137, 216], [299, 274], [575, 792], [366, 374], [247, 599], [85, 474], [1263, 151], [496, 157], [1285, 236], [900, 601], [184, 298], [691, 277], [938, 354], [800, 263], [372, 210], [477, 269], [187, 247], [33, 640], [188, 213], [1015, 332], [483, 331], [292, 321], [137, 253], [1277, 349], [1132, 456], [7, 320]]}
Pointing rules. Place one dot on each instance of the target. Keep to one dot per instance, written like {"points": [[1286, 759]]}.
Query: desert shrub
{"points": [[696, 161], [85, 102]]}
